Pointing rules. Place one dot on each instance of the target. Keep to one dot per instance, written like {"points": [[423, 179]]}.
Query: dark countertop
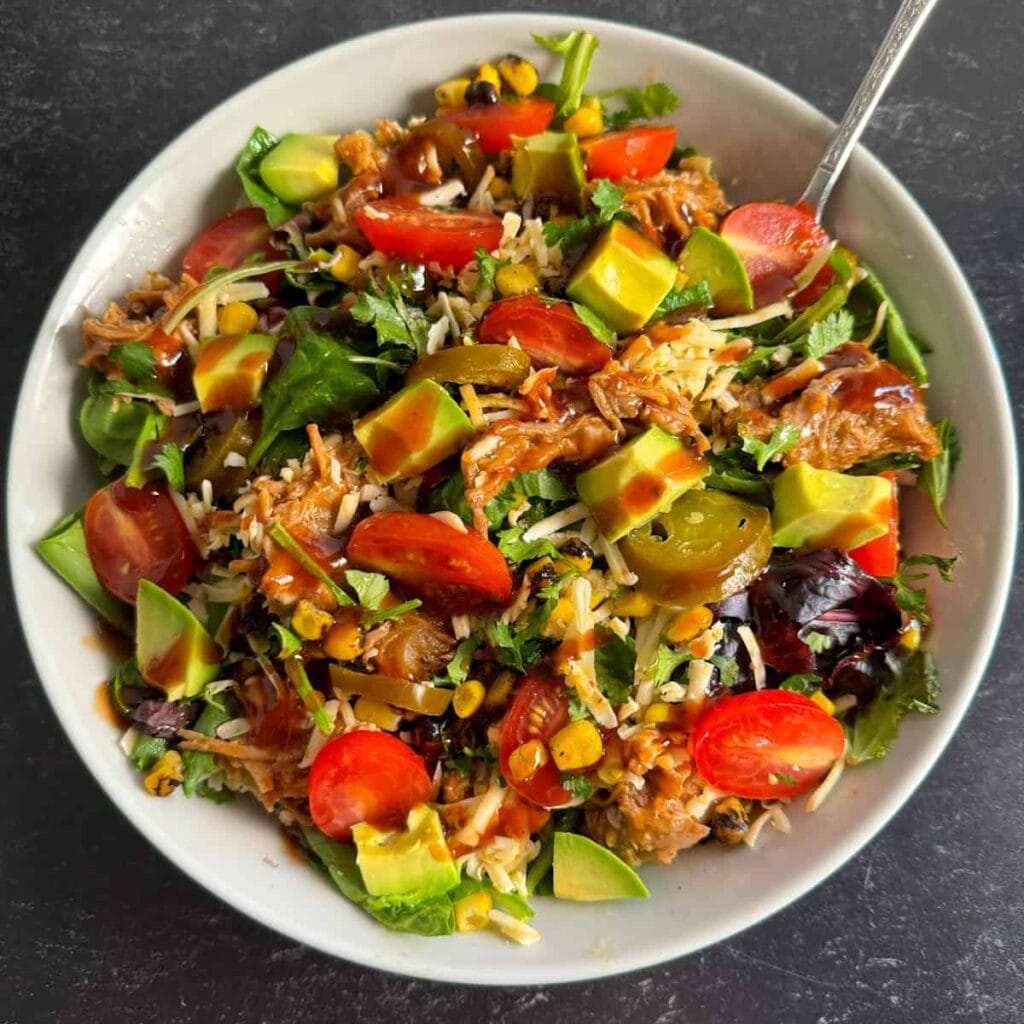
{"points": [[923, 926]]}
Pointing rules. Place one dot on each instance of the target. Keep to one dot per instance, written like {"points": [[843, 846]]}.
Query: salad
{"points": [[500, 508]]}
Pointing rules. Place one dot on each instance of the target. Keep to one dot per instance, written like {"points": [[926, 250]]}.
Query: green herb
{"points": [[577, 50], [914, 600], [463, 761], [593, 323], [937, 472], [310, 698], [615, 662], [522, 648], [693, 295], [171, 462], [607, 201], [577, 709], [729, 471], [395, 322], [666, 660], [63, 549], [487, 266], [127, 674], [827, 334], [784, 437], [652, 101], [370, 587], [200, 766], [147, 751], [428, 916], [886, 463], [784, 777], [898, 345], [578, 785], [728, 669], [819, 643], [804, 683], [292, 444], [515, 549], [541, 484], [260, 143], [908, 683], [457, 670], [280, 536], [136, 360], [834, 298], [288, 644], [118, 429], [322, 379], [386, 614]]}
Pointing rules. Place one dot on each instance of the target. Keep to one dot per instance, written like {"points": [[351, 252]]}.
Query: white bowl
{"points": [[765, 141]]}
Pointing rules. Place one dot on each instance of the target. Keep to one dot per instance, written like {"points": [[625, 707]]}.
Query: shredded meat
{"points": [[512, 446], [860, 407], [650, 823], [671, 204], [417, 647]]}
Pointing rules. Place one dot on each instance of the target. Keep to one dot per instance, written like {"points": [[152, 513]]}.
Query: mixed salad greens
{"points": [[500, 508]]}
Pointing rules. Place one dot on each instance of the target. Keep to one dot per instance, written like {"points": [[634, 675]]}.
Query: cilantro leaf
{"points": [[666, 661], [578, 785], [515, 549], [593, 323], [804, 683], [370, 587], [577, 50], [607, 199], [698, 294], [487, 266], [136, 360], [728, 668], [522, 648], [615, 662], [784, 436], [577, 709], [936, 473], [914, 600], [819, 643], [171, 463], [652, 101], [457, 670], [828, 334], [394, 321]]}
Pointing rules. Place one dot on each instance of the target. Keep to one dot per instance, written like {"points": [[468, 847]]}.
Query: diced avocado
{"points": [[546, 165], [174, 652], [301, 168], [622, 278], [709, 257], [585, 870], [415, 860], [818, 508], [412, 431], [231, 369], [644, 477]]}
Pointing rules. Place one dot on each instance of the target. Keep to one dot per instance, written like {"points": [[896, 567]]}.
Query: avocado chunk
{"points": [[641, 479], [412, 431], [817, 508], [411, 861], [585, 870], [548, 165], [622, 278], [301, 168], [174, 652], [231, 370], [709, 257]]}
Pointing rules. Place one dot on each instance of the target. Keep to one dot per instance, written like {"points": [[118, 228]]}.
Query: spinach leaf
{"points": [[260, 143], [899, 346], [322, 380], [395, 322], [577, 50], [431, 916], [200, 766], [289, 444], [615, 661], [117, 428], [908, 683], [937, 472], [784, 436], [63, 549], [886, 463], [731, 471], [652, 101]]}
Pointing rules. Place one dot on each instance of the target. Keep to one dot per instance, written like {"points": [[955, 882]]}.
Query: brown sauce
{"points": [[169, 668], [402, 432], [104, 706], [881, 386]]}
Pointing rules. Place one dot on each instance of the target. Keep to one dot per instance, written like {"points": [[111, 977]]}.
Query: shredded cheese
{"points": [[698, 679], [617, 568], [347, 508], [512, 928], [817, 798], [745, 633], [552, 524], [814, 264], [876, 327], [472, 406], [759, 316], [582, 671], [481, 198], [445, 193], [437, 334]]}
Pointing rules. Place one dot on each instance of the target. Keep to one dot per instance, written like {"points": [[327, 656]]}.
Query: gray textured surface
{"points": [[923, 926]]}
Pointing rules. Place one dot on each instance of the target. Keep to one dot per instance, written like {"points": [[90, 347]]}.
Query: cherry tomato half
{"points": [[494, 125], [401, 226], [765, 744], [228, 241], [446, 566], [550, 333], [775, 242], [537, 712], [632, 153], [365, 776], [880, 556], [134, 533]]}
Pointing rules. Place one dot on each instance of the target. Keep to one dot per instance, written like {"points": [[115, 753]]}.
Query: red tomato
{"points": [[495, 125], [228, 241], [632, 153], [537, 712], [402, 227], [880, 556], [765, 744], [134, 533], [432, 559], [550, 333], [775, 242], [365, 776]]}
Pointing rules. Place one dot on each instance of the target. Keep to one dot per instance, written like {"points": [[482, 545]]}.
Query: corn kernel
{"points": [[237, 318], [499, 188], [516, 279], [344, 641], [578, 745], [376, 712], [520, 75], [498, 692], [166, 775], [452, 93], [526, 760], [688, 624], [488, 73], [346, 264], [587, 121], [823, 702], [633, 605], [468, 697], [661, 713], [911, 639], [559, 619], [471, 912], [309, 622]]}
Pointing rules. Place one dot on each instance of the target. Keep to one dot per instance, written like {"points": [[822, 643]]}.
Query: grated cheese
{"points": [[437, 334], [472, 406], [347, 508], [444, 195], [481, 198], [512, 928], [817, 798], [317, 740], [617, 568], [814, 264], [207, 314], [876, 327], [759, 316], [698, 679], [582, 672], [552, 524], [234, 460], [754, 650], [450, 519]]}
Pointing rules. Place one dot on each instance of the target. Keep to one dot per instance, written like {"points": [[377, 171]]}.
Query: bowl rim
{"points": [[847, 843]]}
